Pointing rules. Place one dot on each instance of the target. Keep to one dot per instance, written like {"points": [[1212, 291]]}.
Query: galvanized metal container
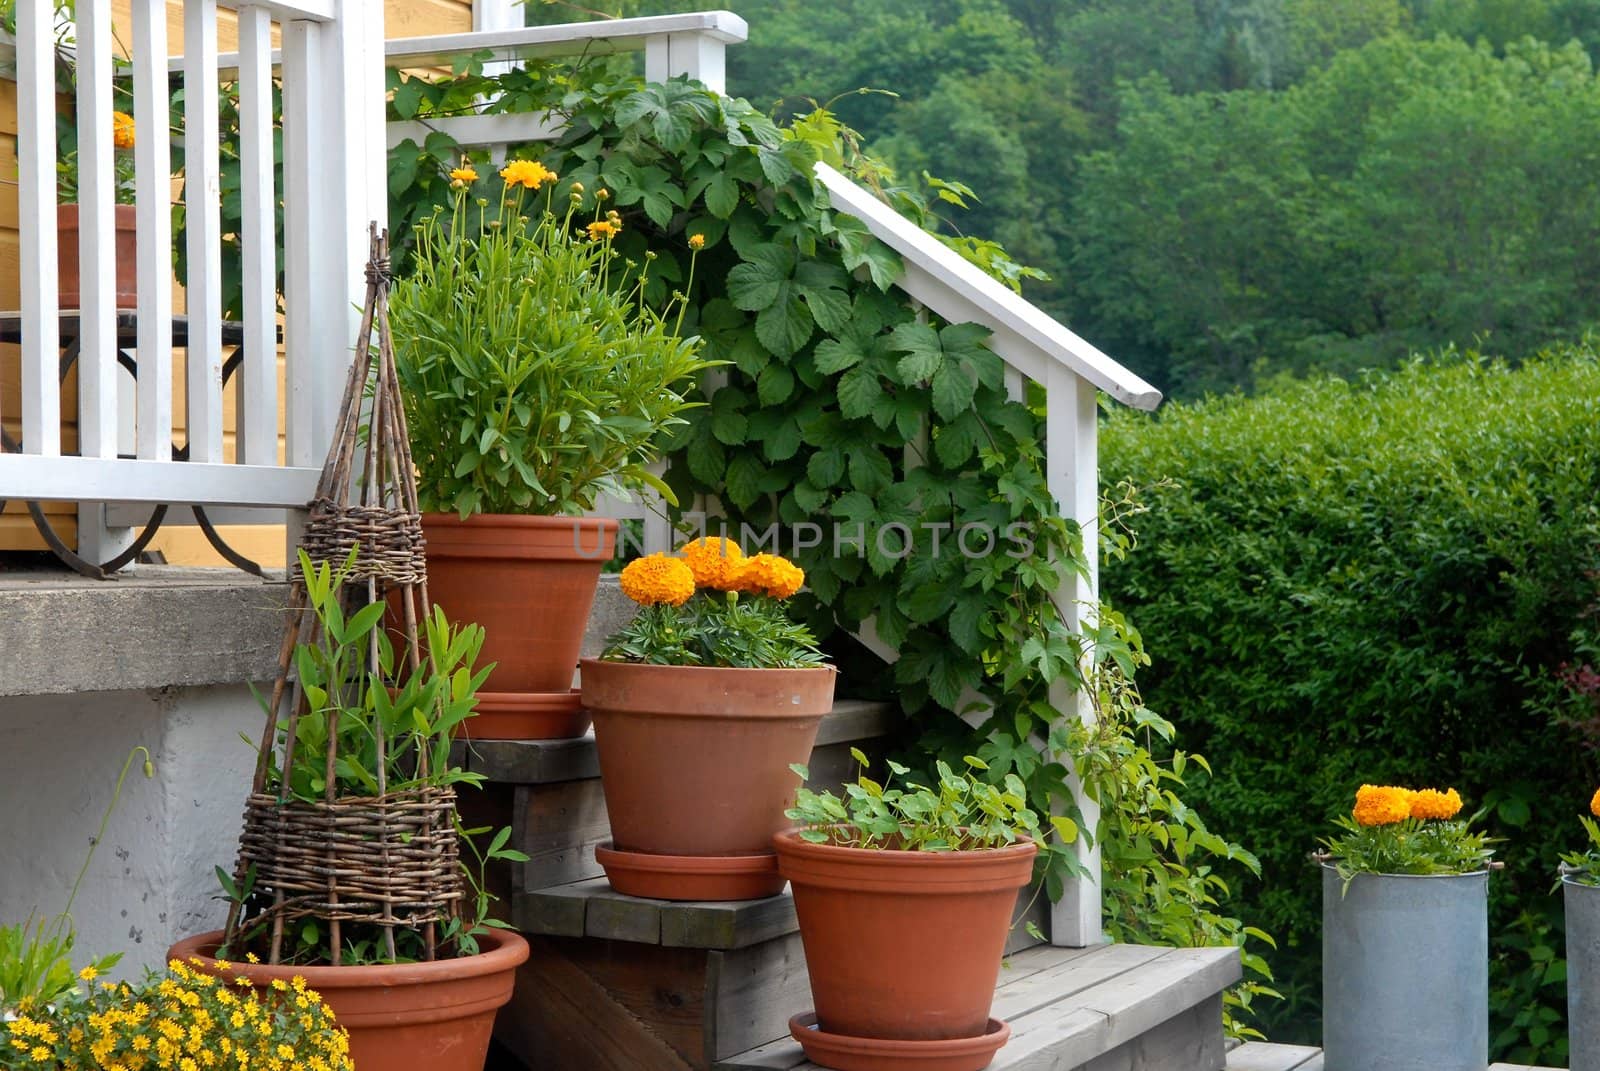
{"points": [[1405, 972], [1583, 974]]}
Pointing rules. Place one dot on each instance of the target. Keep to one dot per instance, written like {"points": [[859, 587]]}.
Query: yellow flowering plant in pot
{"points": [[1580, 894], [535, 378], [700, 706], [1405, 936]]}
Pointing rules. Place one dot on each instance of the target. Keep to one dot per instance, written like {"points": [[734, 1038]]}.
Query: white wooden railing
{"points": [[331, 71]]}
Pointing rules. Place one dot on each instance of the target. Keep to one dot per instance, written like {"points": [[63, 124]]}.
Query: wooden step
{"points": [[1266, 1056], [540, 762], [1108, 1008]]}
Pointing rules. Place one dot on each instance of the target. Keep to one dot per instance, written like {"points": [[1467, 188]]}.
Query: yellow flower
{"points": [[1431, 803], [41, 1053], [658, 580], [89, 974], [1382, 805], [122, 130], [529, 173], [697, 242], [768, 574], [463, 176], [603, 229], [715, 562], [1594, 803]]}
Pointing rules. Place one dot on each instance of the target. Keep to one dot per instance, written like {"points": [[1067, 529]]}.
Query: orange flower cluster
{"points": [[122, 130], [658, 580], [716, 562], [1384, 805], [1429, 803], [1594, 803], [770, 575]]}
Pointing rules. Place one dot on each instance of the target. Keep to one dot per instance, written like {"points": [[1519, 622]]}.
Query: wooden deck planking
{"points": [[1267, 1056]]}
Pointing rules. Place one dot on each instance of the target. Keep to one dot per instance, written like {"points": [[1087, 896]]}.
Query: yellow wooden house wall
{"points": [[403, 18]]}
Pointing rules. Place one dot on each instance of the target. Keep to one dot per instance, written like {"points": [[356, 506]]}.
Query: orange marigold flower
{"points": [[1431, 803], [1594, 803], [715, 562], [657, 580], [1382, 805], [768, 574], [529, 173], [122, 130]]}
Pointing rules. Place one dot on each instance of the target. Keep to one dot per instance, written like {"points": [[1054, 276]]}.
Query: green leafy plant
{"points": [[535, 377], [36, 967], [396, 720], [1584, 866], [712, 606], [963, 813], [1403, 831]]}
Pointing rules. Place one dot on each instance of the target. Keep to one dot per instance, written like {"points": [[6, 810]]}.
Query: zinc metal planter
{"points": [[1583, 973], [1405, 972]]}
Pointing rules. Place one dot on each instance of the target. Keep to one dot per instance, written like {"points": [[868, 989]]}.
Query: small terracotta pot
{"points": [[903, 945], [526, 716], [694, 760], [406, 1016], [530, 582], [68, 274]]}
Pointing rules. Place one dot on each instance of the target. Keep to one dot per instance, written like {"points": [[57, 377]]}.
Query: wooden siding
{"points": [[404, 18]]}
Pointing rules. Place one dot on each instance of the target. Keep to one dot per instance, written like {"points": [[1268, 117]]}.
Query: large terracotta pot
{"points": [[67, 270], [903, 945], [530, 582], [403, 1017], [694, 761]]}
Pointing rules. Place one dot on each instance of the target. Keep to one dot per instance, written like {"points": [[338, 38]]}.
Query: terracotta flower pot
{"points": [[694, 761], [67, 270], [902, 945], [530, 582], [403, 1017]]}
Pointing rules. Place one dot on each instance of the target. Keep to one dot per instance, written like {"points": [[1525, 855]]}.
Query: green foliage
{"points": [[1584, 866], [1373, 581], [533, 380], [964, 813], [741, 631], [1413, 846]]}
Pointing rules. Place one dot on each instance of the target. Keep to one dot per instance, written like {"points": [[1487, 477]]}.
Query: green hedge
{"points": [[1378, 581]]}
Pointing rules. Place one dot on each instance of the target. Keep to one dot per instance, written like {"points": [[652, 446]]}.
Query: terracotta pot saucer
{"points": [[526, 716], [845, 1053], [751, 876]]}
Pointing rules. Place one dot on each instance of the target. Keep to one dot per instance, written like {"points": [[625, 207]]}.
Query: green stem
{"points": [[105, 820]]}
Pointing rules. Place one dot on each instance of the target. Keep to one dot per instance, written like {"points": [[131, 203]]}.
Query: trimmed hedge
{"points": [[1377, 581]]}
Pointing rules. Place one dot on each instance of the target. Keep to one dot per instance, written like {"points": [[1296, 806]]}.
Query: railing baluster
{"points": [[202, 194], [36, 205], [152, 198], [302, 223], [258, 408], [97, 358]]}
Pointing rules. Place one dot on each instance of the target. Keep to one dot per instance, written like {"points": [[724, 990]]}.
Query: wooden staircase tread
{"points": [[593, 909], [1267, 1056], [535, 762], [1066, 1006]]}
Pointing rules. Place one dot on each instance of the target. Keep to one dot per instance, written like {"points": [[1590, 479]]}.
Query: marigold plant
{"points": [[1584, 867], [710, 605], [187, 1019], [1395, 830]]}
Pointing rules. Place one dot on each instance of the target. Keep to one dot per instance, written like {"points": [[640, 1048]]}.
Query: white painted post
{"points": [[152, 200], [258, 378], [203, 197], [699, 56], [1072, 469], [98, 421], [303, 222], [36, 206]]}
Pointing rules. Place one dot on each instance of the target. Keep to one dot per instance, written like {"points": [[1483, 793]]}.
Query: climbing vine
{"points": [[880, 441]]}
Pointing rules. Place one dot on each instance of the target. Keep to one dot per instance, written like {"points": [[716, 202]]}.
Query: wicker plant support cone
{"points": [[390, 859]]}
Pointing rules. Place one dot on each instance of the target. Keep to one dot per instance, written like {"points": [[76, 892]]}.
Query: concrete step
{"points": [[1108, 1008], [1266, 1056]]}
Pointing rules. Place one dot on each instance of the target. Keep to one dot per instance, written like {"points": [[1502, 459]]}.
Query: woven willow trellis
{"points": [[388, 860]]}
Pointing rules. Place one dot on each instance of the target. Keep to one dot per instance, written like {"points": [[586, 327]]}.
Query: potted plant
{"points": [[904, 897], [535, 378], [700, 704], [401, 946], [183, 1018], [1580, 893], [1405, 935], [68, 272]]}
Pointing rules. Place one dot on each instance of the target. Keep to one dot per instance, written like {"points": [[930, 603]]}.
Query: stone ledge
{"points": [[164, 627]]}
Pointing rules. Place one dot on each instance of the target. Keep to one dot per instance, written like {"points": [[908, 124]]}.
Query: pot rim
{"points": [[520, 520], [1328, 865], [605, 664], [504, 950], [790, 840]]}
